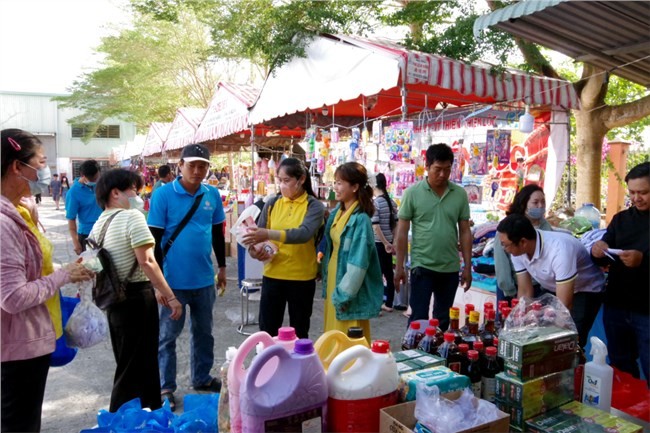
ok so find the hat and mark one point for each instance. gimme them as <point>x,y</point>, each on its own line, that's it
<point>195,152</point>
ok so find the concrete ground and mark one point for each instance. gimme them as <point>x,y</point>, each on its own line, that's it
<point>75,392</point>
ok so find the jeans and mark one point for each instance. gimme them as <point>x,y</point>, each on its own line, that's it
<point>23,388</point>
<point>628,338</point>
<point>584,311</point>
<point>276,294</point>
<point>386,264</point>
<point>443,286</point>
<point>200,302</point>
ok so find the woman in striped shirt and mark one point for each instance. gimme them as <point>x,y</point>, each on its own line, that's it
<point>133,323</point>
<point>384,221</point>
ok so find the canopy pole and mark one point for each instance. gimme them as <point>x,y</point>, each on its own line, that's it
<point>404,107</point>
<point>568,162</point>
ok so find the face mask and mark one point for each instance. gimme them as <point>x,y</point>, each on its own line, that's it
<point>136,203</point>
<point>536,213</point>
<point>91,184</point>
<point>44,176</point>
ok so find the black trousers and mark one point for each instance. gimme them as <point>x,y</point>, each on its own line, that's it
<point>134,336</point>
<point>386,264</point>
<point>276,294</point>
<point>23,388</point>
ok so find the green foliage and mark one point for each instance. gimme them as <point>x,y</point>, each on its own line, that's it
<point>621,91</point>
<point>148,72</point>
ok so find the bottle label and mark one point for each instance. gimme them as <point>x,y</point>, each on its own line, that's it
<point>476,389</point>
<point>591,390</point>
<point>489,390</point>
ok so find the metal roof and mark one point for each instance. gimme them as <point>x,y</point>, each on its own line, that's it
<point>612,35</point>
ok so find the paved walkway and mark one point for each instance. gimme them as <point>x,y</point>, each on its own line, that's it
<point>76,392</point>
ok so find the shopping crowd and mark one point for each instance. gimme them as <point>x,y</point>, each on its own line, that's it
<point>351,248</point>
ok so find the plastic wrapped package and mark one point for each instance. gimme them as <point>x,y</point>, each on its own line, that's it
<point>437,414</point>
<point>87,325</point>
<point>533,313</point>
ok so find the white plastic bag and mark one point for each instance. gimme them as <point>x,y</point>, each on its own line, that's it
<point>87,326</point>
<point>247,221</point>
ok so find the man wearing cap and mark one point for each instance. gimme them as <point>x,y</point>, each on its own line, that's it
<point>187,265</point>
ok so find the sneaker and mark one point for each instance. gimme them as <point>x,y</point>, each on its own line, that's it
<point>213,386</point>
<point>168,396</point>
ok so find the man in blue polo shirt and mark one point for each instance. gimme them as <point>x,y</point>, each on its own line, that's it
<point>187,265</point>
<point>81,205</point>
<point>561,265</point>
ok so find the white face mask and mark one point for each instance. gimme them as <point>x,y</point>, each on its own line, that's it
<point>136,203</point>
<point>44,176</point>
<point>536,213</point>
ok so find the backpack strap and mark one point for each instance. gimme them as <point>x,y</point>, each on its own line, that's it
<point>183,223</point>
<point>100,243</point>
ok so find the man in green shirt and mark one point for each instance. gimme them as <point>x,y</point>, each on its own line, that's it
<point>438,211</point>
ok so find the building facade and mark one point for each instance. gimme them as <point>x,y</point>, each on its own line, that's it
<point>40,115</point>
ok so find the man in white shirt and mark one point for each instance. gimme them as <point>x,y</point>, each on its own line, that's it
<point>560,263</point>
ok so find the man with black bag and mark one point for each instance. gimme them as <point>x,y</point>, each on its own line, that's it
<point>186,218</point>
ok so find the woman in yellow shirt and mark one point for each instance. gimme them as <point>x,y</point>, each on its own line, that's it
<point>291,221</point>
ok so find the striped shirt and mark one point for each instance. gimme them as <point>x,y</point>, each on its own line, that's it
<point>382,217</point>
<point>127,231</point>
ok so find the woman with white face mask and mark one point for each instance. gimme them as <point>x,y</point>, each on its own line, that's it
<point>133,323</point>
<point>531,202</point>
<point>28,286</point>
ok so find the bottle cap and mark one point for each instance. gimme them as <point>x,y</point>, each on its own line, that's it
<point>230,353</point>
<point>488,306</point>
<point>491,314</point>
<point>449,337</point>
<point>472,354</point>
<point>415,325</point>
<point>304,346</point>
<point>514,302</point>
<point>286,333</point>
<point>496,342</point>
<point>468,308</point>
<point>434,322</point>
<point>454,313</point>
<point>474,316</point>
<point>478,345</point>
<point>463,347</point>
<point>491,351</point>
<point>430,331</point>
<point>502,304</point>
<point>355,332</point>
<point>537,306</point>
<point>380,346</point>
<point>506,312</point>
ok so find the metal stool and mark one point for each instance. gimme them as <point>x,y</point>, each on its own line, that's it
<point>248,286</point>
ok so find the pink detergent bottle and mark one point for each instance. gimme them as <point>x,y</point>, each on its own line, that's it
<point>357,393</point>
<point>237,372</point>
<point>286,338</point>
<point>293,398</point>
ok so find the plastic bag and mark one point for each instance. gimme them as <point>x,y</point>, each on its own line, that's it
<point>440,415</point>
<point>247,220</point>
<point>534,313</point>
<point>87,325</point>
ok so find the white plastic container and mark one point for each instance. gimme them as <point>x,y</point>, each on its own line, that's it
<point>357,393</point>
<point>223,414</point>
<point>598,378</point>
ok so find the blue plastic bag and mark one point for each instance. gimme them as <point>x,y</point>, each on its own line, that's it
<point>62,353</point>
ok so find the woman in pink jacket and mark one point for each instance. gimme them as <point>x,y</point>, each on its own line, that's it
<point>28,337</point>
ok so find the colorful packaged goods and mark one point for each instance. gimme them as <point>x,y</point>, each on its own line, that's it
<point>577,417</point>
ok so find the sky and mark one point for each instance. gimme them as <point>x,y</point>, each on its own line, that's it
<point>46,44</point>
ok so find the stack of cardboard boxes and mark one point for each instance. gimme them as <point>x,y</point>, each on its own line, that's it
<point>538,371</point>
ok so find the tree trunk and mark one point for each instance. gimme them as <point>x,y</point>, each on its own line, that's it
<point>590,131</point>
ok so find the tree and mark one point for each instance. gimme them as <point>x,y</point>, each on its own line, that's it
<point>148,72</point>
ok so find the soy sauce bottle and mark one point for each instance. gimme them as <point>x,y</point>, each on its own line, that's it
<point>428,343</point>
<point>474,372</point>
<point>490,370</point>
<point>412,337</point>
<point>449,350</point>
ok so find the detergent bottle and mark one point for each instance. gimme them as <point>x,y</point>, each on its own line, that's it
<point>331,343</point>
<point>237,373</point>
<point>356,394</point>
<point>286,338</point>
<point>598,378</point>
<point>292,398</point>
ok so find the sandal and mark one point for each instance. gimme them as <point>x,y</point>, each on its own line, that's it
<point>168,396</point>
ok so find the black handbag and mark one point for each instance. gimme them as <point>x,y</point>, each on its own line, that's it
<point>108,289</point>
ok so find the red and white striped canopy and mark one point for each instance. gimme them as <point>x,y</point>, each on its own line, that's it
<point>156,136</point>
<point>342,71</point>
<point>227,113</point>
<point>184,127</point>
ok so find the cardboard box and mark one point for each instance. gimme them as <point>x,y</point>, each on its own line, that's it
<point>533,346</point>
<point>577,417</point>
<point>401,419</point>
<point>446,380</point>
<point>552,390</point>
<point>536,369</point>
